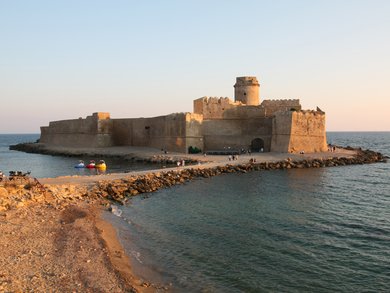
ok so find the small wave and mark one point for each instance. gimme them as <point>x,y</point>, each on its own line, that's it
<point>116,211</point>
<point>137,255</point>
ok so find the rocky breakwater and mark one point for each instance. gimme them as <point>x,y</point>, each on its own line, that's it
<point>121,189</point>
<point>15,194</point>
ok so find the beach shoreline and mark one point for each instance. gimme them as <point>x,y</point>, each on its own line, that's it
<point>73,246</point>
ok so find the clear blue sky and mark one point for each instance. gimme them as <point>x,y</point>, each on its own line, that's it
<point>67,59</point>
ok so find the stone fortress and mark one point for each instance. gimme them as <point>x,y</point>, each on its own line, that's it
<point>216,124</point>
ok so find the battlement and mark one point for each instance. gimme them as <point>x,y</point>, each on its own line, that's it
<point>312,112</point>
<point>213,107</point>
<point>218,100</point>
<point>305,113</point>
<point>246,80</point>
<point>273,106</point>
<point>101,115</point>
<point>282,101</point>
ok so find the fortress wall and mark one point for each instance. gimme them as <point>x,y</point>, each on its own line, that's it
<point>281,131</point>
<point>194,135</point>
<point>88,132</point>
<point>244,112</point>
<point>236,133</point>
<point>308,132</point>
<point>166,132</point>
<point>123,131</point>
<point>213,108</point>
<point>272,106</point>
<point>296,131</point>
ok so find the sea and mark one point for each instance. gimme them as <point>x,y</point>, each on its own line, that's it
<point>297,230</point>
<point>46,166</point>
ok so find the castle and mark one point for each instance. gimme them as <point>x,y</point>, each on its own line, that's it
<point>215,124</point>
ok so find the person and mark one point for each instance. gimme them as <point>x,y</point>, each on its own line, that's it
<point>183,163</point>
<point>178,163</point>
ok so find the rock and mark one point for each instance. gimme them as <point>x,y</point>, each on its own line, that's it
<point>3,192</point>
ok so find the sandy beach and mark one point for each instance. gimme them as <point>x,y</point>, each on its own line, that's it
<point>53,238</point>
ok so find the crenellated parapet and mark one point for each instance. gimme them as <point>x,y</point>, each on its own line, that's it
<point>272,106</point>
<point>214,107</point>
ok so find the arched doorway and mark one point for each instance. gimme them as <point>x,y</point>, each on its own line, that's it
<point>257,145</point>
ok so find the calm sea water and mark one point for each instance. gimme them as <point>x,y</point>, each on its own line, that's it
<point>42,166</point>
<point>313,230</point>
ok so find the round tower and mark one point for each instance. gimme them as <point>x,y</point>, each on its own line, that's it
<point>246,90</point>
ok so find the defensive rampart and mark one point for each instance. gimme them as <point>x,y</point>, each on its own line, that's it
<point>272,106</point>
<point>93,131</point>
<point>174,132</point>
<point>297,131</point>
<point>214,108</point>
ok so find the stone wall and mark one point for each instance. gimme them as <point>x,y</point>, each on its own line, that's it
<point>273,106</point>
<point>167,132</point>
<point>296,131</point>
<point>194,135</point>
<point>308,132</point>
<point>93,131</point>
<point>213,108</point>
<point>174,132</point>
<point>236,133</point>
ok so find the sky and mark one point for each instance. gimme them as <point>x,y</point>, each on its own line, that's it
<point>67,59</point>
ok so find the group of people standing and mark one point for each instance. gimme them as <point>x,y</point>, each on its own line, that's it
<point>233,157</point>
<point>331,148</point>
<point>181,163</point>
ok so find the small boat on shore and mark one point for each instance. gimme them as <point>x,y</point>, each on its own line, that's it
<point>91,165</point>
<point>101,165</point>
<point>80,165</point>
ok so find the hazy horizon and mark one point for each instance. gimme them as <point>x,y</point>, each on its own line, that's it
<point>67,59</point>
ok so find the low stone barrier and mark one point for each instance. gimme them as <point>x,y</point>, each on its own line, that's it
<point>120,190</point>
<point>18,194</point>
